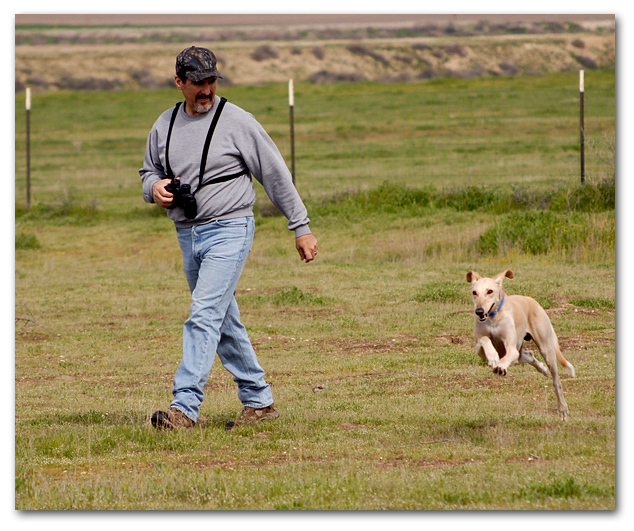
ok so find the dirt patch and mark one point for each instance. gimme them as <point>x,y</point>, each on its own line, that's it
<point>359,347</point>
<point>351,426</point>
<point>585,342</point>
<point>452,339</point>
<point>31,336</point>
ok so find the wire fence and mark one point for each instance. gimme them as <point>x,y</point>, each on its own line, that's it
<point>346,136</point>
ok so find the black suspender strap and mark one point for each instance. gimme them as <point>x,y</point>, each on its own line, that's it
<point>203,160</point>
<point>210,133</point>
<point>168,169</point>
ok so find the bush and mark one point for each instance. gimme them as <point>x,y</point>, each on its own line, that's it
<point>319,53</point>
<point>264,52</point>
<point>456,49</point>
<point>25,241</point>
<point>443,291</point>
<point>294,296</point>
<point>470,198</point>
<point>388,197</point>
<point>407,59</point>
<point>590,197</point>
<point>323,77</point>
<point>587,61</point>
<point>90,83</point>
<point>509,68</point>
<point>539,232</point>
<point>68,211</point>
<point>421,46</point>
<point>364,51</point>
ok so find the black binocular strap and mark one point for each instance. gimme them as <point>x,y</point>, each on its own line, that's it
<point>203,160</point>
<point>210,133</point>
<point>168,168</point>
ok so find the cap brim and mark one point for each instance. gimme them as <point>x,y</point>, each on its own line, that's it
<point>199,75</point>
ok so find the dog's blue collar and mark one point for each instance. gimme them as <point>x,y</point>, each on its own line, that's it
<point>494,313</point>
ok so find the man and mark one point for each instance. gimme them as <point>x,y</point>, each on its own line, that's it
<point>215,147</point>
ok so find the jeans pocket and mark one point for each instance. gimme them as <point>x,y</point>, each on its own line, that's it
<point>239,222</point>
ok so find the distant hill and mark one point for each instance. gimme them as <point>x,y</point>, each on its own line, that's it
<point>56,56</point>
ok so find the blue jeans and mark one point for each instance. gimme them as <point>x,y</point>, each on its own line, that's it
<point>214,255</point>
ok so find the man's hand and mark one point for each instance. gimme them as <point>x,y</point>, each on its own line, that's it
<point>307,247</point>
<point>162,197</point>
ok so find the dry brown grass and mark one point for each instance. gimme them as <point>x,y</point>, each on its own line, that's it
<point>54,66</point>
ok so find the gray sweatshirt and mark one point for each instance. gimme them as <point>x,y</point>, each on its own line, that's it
<point>239,144</point>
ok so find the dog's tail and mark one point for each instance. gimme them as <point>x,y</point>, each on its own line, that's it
<point>565,363</point>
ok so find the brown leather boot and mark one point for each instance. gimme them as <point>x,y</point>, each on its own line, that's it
<point>252,415</point>
<point>174,419</point>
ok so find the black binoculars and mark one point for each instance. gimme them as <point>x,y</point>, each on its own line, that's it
<point>183,197</point>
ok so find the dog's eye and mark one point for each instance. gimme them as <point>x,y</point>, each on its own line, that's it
<point>489,292</point>
<point>475,293</point>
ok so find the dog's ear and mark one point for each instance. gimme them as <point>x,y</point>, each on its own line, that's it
<point>499,278</point>
<point>472,276</point>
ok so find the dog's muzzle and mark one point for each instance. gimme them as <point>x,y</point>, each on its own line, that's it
<point>482,315</point>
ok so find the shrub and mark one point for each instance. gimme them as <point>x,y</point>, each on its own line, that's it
<point>323,76</point>
<point>364,51</point>
<point>67,211</point>
<point>264,52</point>
<point>509,68</point>
<point>468,199</point>
<point>538,232</point>
<point>294,296</point>
<point>443,291</point>
<point>407,59</point>
<point>386,198</point>
<point>391,197</point>
<point>319,53</point>
<point>420,46</point>
<point>456,49</point>
<point>578,43</point>
<point>89,83</point>
<point>428,73</point>
<point>587,61</point>
<point>590,197</point>
<point>25,241</point>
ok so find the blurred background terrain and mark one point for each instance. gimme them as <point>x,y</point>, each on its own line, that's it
<point>104,52</point>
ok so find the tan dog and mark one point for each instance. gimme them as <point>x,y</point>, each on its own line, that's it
<point>502,324</point>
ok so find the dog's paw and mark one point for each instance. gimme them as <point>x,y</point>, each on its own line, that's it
<point>500,370</point>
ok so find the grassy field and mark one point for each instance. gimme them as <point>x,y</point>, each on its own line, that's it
<point>369,349</point>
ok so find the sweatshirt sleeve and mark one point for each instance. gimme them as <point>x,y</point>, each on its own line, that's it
<point>267,165</point>
<point>152,170</point>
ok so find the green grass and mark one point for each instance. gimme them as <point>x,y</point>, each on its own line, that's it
<point>369,349</point>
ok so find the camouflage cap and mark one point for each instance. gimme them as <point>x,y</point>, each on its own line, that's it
<point>196,64</point>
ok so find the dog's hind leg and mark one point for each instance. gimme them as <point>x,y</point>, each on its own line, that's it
<point>550,356</point>
<point>526,356</point>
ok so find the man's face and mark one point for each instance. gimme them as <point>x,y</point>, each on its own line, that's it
<point>199,97</point>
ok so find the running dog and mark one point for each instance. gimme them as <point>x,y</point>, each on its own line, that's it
<point>502,324</point>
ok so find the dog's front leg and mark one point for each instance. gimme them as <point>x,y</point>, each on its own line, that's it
<point>487,352</point>
<point>512,356</point>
